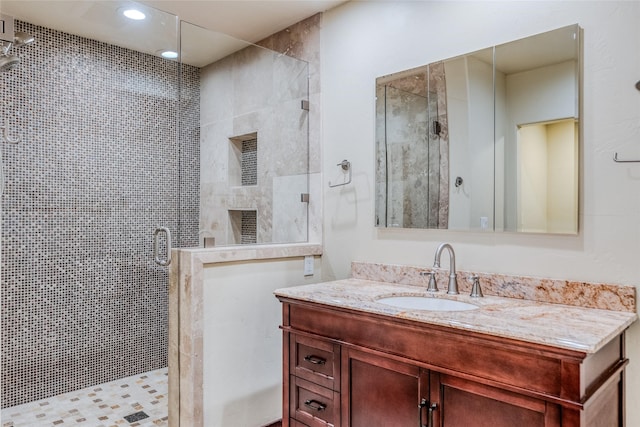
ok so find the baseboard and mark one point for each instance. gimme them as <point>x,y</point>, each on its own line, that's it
<point>275,424</point>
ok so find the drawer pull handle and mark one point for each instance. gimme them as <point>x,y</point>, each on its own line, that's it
<point>315,405</point>
<point>315,360</point>
<point>430,408</point>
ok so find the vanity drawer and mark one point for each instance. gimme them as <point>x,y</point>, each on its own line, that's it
<point>312,404</point>
<point>315,360</point>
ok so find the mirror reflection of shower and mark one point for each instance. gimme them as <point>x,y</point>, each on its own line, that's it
<point>8,59</point>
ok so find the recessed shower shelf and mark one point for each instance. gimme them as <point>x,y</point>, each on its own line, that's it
<point>243,160</point>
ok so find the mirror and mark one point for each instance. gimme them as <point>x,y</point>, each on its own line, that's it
<point>483,141</point>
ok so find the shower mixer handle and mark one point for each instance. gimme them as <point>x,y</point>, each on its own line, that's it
<point>156,246</point>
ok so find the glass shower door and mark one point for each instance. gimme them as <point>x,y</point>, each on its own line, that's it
<point>248,107</point>
<point>96,171</point>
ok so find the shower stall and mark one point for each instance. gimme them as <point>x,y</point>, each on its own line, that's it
<point>97,168</point>
<point>105,148</point>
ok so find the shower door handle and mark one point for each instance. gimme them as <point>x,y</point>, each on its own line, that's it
<point>156,246</point>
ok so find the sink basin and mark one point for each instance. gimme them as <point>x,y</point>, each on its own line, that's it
<point>427,303</point>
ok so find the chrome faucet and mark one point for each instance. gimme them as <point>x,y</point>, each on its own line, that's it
<point>452,289</point>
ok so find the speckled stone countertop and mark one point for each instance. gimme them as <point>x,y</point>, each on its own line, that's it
<point>558,325</point>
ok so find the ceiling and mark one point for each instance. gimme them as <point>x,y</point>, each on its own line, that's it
<point>213,28</point>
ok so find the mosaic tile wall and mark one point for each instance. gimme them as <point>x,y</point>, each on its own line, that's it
<point>189,167</point>
<point>97,170</point>
<point>249,167</point>
<point>249,227</point>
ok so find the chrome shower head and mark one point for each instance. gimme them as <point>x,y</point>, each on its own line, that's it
<point>22,39</point>
<point>8,62</point>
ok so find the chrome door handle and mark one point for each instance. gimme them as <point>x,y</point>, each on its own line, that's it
<point>156,246</point>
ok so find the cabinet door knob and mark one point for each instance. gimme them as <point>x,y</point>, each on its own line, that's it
<point>315,359</point>
<point>315,405</point>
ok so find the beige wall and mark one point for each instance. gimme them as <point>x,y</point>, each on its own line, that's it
<point>260,91</point>
<point>532,178</point>
<point>263,91</point>
<point>242,385</point>
<point>547,177</point>
<point>562,186</point>
<point>364,40</point>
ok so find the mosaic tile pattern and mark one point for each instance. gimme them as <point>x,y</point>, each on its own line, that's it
<point>249,162</point>
<point>249,227</point>
<point>97,170</point>
<point>139,400</point>
<point>189,169</point>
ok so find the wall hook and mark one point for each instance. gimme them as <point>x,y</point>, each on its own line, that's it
<point>5,133</point>
<point>615,159</point>
<point>346,167</point>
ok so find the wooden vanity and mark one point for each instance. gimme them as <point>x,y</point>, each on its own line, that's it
<point>353,367</point>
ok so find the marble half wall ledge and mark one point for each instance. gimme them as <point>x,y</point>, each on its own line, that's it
<point>248,252</point>
<point>556,291</point>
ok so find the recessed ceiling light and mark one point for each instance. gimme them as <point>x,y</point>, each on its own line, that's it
<point>134,14</point>
<point>169,54</point>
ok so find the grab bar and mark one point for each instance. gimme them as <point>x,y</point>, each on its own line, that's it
<point>156,246</point>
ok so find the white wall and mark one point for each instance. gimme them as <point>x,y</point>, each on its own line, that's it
<point>533,96</point>
<point>364,40</point>
<point>470,111</point>
<point>242,375</point>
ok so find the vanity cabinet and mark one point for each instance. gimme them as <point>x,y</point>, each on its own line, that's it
<point>379,391</point>
<point>355,369</point>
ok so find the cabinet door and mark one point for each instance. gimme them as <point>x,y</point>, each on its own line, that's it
<point>380,392</point>
<point>463,403</point>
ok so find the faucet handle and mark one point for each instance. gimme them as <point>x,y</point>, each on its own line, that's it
<point>433,286</point>
<point>476,290</point>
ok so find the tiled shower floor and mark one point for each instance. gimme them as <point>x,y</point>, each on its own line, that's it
<point>104,405</point>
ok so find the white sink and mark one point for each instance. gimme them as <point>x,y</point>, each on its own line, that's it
<point>427,303</point>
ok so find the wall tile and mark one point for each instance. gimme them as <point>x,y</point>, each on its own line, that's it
<point>97,170</point>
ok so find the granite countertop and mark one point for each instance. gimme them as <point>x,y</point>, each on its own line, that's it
<point>569,327</point>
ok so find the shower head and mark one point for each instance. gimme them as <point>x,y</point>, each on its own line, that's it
<point>8,62</point>
<point>22,39</point>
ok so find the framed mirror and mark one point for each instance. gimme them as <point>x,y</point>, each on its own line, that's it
<point>484,141</point>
